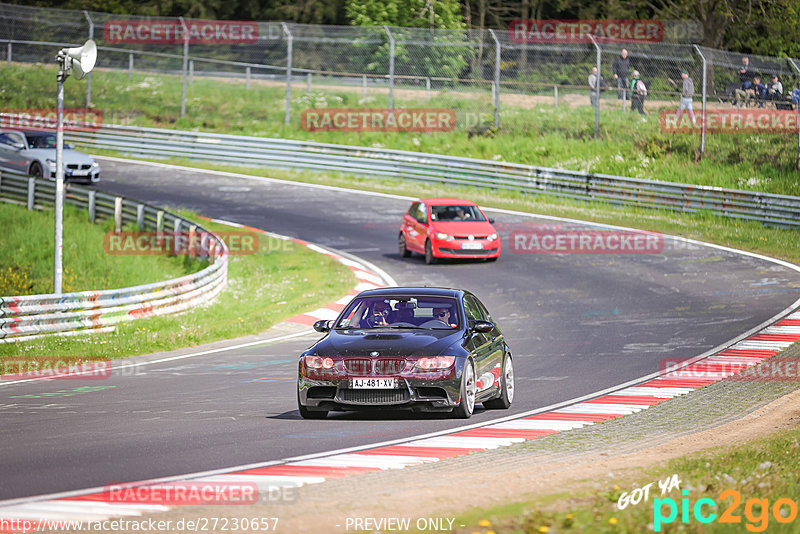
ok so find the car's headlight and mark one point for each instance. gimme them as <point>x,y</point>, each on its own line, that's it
<point>434,363</point>
<point>95,164</point>
<point>492,237</point>
<point>444,237</point>
<point>316,362</point>
<point>50,162</point>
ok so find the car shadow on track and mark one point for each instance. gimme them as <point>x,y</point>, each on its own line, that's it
<point>417,259</point>
<point>374,415</point>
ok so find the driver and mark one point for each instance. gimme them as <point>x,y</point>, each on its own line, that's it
<point>380,311</point>
<point>443,315</point>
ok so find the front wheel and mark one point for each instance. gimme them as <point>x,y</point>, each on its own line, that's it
<point>401,246</point>
<point>468,390</point>
<point>503,401</point>
<point>430,259</point>
<point>36,170</point>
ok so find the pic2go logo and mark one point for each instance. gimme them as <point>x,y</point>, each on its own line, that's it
<point>756,511</point>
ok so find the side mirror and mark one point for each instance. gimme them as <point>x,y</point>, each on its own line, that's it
<point>483,326</point>
<point>491,220</point>
<point>322,326</point>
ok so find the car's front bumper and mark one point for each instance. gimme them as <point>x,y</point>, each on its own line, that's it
<point>91,175</point>
<point>453,249</point>
<point>440,394</point>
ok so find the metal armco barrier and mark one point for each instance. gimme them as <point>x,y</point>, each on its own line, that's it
<point>769,209</point>
<point>31,316</point>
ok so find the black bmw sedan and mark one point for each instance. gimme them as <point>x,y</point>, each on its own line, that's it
<point>427,349</point>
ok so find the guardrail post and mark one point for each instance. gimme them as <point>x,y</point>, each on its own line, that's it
<point>391,67</point>
<point>212,251</point>
<point>308,82</point>
<point>31,192</point>
<point>130,65</point>
<point>140,217</point>
<point>496,84</point>
<point>185,64</point>
<point>555,96</point>
<point>8,53</point>
<point>703,114</point>
<point>160,221</point>
<point>92,206</point>
<point>288,114</point>
<point>364,86</point>
<point>176,228</point>
<point>247,78</point>
<point>89,76</point>
<point>192,245</point>
<point>797,109</point>
<point>117,214</point>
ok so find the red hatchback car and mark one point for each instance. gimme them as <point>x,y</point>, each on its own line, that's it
<point>448,228</point>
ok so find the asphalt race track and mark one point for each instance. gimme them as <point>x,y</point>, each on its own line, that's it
<point>577,323</point>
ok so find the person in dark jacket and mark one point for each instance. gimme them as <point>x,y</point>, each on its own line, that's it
<point>620,67</point>
<point>687,93</point>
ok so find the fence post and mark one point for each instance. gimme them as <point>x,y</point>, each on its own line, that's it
<point>140,217</point>
<point>555,95</point>
<point>247,78</point>
<point>130,65</point>
<point>797,109</point>
<point>308,87</point>
<point>191,71</point>
<point>8,53</point>
<point>31,192</point>
<point>496,83</point>
<point>117,214</point>
<point>703,113</point>
<point>597,87</point>
<point>92,206</point>
<point>391,67</point>
<point>363,86</point>
<point>185,64</point>
<point>176,225</point>
<point>89,76</point>
<point>289,39</point>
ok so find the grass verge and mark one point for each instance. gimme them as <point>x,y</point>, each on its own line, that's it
<point>280,280</point>
<point>760,473</point>
<point>537,134</point>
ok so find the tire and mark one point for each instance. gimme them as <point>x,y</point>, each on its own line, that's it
<point>468,390</point>
<point>305,413</point>
<point>36,170</point>
<point>430,259</point>
<point>506,387</point>
<point>401,246</point>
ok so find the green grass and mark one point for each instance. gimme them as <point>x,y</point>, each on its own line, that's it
<point>763,469</point>
<point>281,280</point>
<point>554,137</point>
<point>26,255</point>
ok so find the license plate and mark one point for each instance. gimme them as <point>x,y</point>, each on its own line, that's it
<point>373,383</point>
<point>471,245</point>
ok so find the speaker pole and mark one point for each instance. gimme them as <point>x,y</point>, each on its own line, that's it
<point>59,200</point>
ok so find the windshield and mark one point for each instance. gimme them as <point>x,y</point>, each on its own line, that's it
<point>418,312</point>
<point>456,213</point>
<point>43,140</point>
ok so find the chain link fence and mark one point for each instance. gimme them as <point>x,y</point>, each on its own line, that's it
<point>485,77</point>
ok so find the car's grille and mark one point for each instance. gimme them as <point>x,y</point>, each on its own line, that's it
<point>468,252</point>
<point>467,237</point>
<point>358,366</point>
<point>373,396</point>
<point>377,366</point>
<point>389,366</point>
<point>75,167</point>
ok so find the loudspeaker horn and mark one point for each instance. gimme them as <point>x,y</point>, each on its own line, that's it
<point>81,59</point>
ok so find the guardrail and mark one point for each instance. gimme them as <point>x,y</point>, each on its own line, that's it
<point>769,209</point>
<point>31,316</point>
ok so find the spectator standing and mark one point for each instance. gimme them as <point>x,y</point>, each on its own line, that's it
<point>620,67</point>
<point>596,84</point>
<point>744,73</point>
<point>638,93</point>
<point>687,94</point>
